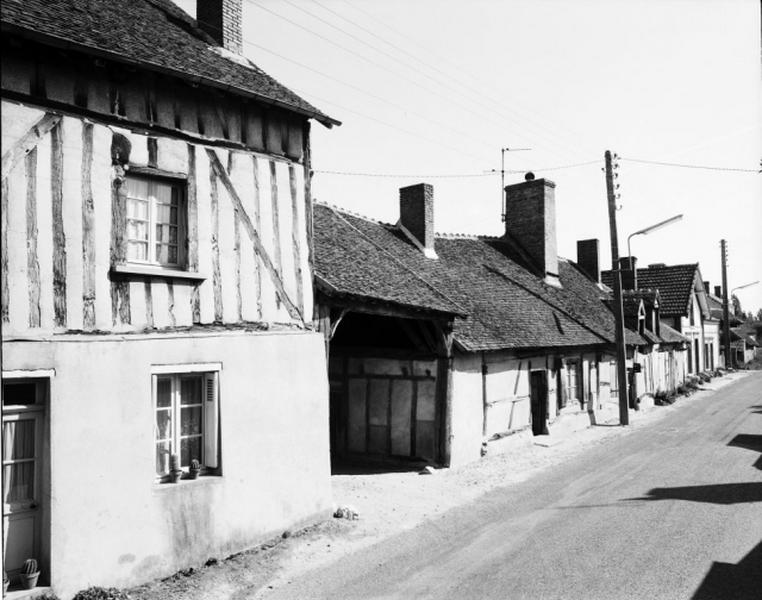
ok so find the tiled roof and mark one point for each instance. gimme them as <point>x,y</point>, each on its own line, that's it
<point>349,263</point>
<point>670,336</point>
<point>674,283</point>
<point>504,306</point>
<point>152,34</point>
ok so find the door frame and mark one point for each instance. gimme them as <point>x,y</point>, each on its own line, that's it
<point>42,378</point>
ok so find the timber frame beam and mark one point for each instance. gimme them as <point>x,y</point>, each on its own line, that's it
<point>259,248</point>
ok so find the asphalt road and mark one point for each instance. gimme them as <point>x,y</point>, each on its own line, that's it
<point>673,510</point>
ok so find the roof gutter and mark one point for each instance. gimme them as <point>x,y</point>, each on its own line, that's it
<point>57,42</point>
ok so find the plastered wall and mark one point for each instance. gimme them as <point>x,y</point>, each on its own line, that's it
<point>111,523</point>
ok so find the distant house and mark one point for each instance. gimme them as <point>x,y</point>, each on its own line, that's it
<point>442,345</point>
<point>156,294</point>
<point>683,307</point>
<point>661,363</point>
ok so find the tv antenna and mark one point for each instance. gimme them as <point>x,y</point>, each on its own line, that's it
<point>502,176</point>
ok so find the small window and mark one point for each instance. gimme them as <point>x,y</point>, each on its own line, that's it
<point>155,222</point>
<point>186,421</point>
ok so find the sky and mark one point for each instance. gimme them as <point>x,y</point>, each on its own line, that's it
<point>432,90</point>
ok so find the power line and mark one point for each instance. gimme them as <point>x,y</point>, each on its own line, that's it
<point>400,75</point>
<point>451,175</point>
<point>500,103</point>
<point>366,93</point>
<point>415,134</point>
<point>686,166</point>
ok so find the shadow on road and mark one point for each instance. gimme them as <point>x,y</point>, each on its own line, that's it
<point>742,581</point>
<point>720,493</point>
<point>749,441</point>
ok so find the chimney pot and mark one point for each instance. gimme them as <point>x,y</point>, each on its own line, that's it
<point>718,291</point>
<point>417,216</point>
<point>588,259</point>
<point>221,19</point>
<point>706,287</point>
<point>529,176</point>
<point>530,220</point>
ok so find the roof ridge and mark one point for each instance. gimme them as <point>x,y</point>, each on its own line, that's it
<point>351,213</point>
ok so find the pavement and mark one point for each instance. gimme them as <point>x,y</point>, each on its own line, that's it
<point>666,508</point>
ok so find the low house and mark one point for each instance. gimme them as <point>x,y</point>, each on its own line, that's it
<point>683,307</point>
<point>156,294</point>
<point>660,362</point>
<point>440,346</point>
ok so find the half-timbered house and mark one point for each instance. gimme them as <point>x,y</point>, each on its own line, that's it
<point>156,293</point>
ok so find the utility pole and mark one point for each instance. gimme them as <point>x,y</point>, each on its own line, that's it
<point>725,308</point>
<point>621,354</point>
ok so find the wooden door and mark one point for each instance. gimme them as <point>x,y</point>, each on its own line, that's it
<point>22,479</point>
<point>539,400</point>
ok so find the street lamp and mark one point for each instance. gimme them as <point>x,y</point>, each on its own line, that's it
<point>745,285</point>
<point>648,230</point>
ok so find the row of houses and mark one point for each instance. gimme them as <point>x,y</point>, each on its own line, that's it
<point>172,298</point>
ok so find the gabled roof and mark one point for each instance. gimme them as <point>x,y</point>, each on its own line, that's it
<point>501,304</point>
<point>151,34</point>
<point>674,283</point>
<point>351,263</point>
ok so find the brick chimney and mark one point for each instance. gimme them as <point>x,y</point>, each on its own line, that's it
<point>530,219</point>
<point>707,288</point>
<point>718,291</point>
<point>629,272</point>
<point>221,19</point>
<point>588,259</point>
<point>417,216</point>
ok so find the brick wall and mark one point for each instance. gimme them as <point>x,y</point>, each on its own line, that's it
<point>417,212</point>
<point>530,219</point>
<point>588,258</point>
<point>222,20</point>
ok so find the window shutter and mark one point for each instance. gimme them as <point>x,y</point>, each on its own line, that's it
<point>211,421</point>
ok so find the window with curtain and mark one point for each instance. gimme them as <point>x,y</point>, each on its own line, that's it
<point>186,421</point>
<point>155,221</point>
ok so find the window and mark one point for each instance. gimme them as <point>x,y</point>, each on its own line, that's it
<point>155,221</point>
<point>187,420</point>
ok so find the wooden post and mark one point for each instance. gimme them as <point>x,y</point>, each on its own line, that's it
<point>296,230</point>
<point>193,233</point>
<point>4,289</point>
<point>216,276</point>
<point>621,354</point>
<point>88,230</point>
<point>32,263</point>
<point>276,221</point>
<point>59,237</point>
<point>725,306</point>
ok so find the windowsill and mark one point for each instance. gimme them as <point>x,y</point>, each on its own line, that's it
<point>202,480</point>
<point>128,270</point>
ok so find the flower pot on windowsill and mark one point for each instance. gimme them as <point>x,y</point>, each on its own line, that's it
<point>29,573</point>
<point>30,581</point>
<point>194,470</point>
<point>175,472</point>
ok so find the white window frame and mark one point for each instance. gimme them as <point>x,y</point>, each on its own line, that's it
<point>180,185</point>
<point>210,428</point>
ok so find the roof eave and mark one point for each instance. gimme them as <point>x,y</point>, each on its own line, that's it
<point>61,43</point>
